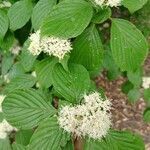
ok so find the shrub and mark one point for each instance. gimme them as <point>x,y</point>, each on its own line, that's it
<point>51,51</point>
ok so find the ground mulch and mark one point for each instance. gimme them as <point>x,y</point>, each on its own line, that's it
<point>126,116</point>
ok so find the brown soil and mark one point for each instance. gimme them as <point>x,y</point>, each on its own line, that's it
<point>125,115</point>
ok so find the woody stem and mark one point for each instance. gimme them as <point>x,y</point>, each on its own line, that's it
<point>78,144</point>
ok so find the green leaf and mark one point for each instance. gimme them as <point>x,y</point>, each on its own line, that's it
<point>135,77</point>
<point>147,95</point>
<point>147,115</point>
<point>127,140</point>
<point>63,103</point>
<point>19,14</point>
<point>1,117</point>
<point>23,137</point>
<point>64,62</point>
<point>141,20</point>
<point>16,70</point>
<point>44,71</point>
<point>102,15</point>
<point>27,59</point>
<point>49,136</point>
<point>126,87</point>
<point>7,62</point>
<point>134,95</point>
<point>26,108</point>
<point>88,50</point>
<point>5,144</point>
<point>68,19</point>
<point>16,146</point>
<point>25,81</point>
<point>73,84</point>
<point>116,140</point>
<point>7,42</point>
<point>40,11</point>
<point>110,66</point>
<point>134,5</point>
<point>4,23</point>
<point>128,45</point>
<point>69,146</point>
<point>93,86</point>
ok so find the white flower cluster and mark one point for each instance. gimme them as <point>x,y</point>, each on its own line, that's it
<point>111,3</point>
<point>5,127</point>
<point>34,46</point>
<point>51,45</point>
<point>15,49</point>
<point>91,119</point>
<point>146,82</point>
<point>4,4</point>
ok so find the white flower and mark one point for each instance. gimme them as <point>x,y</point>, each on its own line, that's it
<point>111,3</point>
<point>56,46</point>
<point>2,97</point>
<point>15,48</point>
<point>5,128</point>
<point>34,46</point>
<point>4,4</point>
<point>146,82</point>
<point>99,2</point>
<point>91,119</point>
<point>51,45</point>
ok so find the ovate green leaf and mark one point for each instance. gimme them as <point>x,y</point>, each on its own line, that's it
<point>19,14</point>
<point>110,66</point>
<point>147,95</point>
<point>88,50</point>
<point>7,42</point>
<point>116,140</point>
<point>4,22</point>
<point>23,137</point>
<point>16,70</point>
<point>135,77</point>
<point>126,87</point>
<point>68,19</point>
<point>26,58</point>
<point>7,62</point>
<point>40,11</point>
<point>21,82</point>
<point>69,146</point>
<point>102,15</point>
<point>71,84</point>
<point>134,5</point>
<point>128,45</point>
<point>49,136</point>
<point>147,115</point>
<point>44,71</point>
<point>16,146</point>
<point>134,95</point>
<point>26,108</point>
<point>5,144</point>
